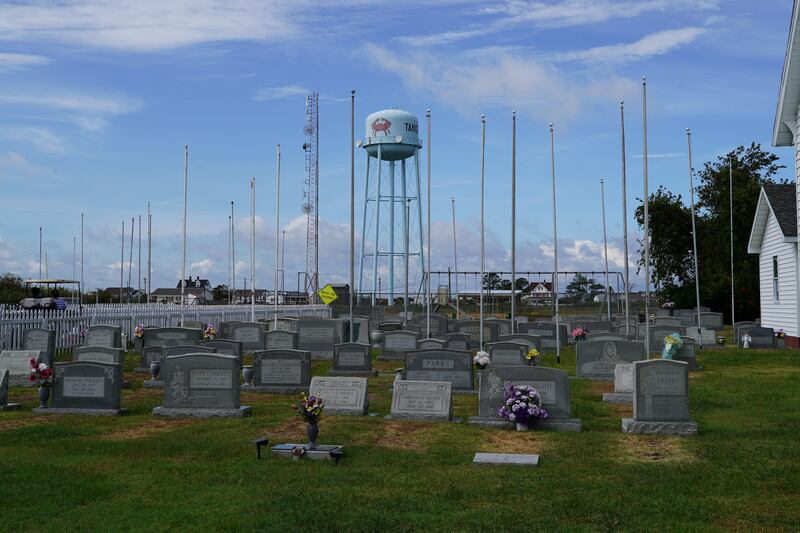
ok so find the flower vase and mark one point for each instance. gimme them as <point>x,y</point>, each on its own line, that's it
<point>312,432</point>
<point>44,396</point>
<point>247,374</point>
<point>522,427</point>
<point>666,353</point>
<point>155,369</point>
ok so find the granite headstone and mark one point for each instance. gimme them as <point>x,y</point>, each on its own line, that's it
<point>597,359</point>
<point>342,395</point>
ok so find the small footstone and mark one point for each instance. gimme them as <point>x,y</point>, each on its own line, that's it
<point>11,407</point>
<point>151,384</point>
<point>618,397</point>
<point>519,459</point>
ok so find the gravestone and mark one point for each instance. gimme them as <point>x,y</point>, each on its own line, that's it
<point>149,355</point>
<point>252,335</point>
<point>761,337</point>
<point>452,366</point>
<point>739,326</point>
<point>546,331</point>
<point>673,321</point>
<point>421,400</point>
<point>597,325</point>
<point>503,326</point>
<point>201,385</point>
<point>623,385</point>
<point>318,336</point>
<point>18,364</point>
<point>457,341</point>
<point>171,336</point>
<point>285,371</point>
<point>99,354</point>
<point>687,353</point>
<point>342,395</point>
<point>688,317</point>
<point>431,344</point>
<point>473,329</point>
<point>281,339</point>
<point>663,313</point>
<point>518,459</point>
<point>711,321</point>
<point>103,335</point>
<point>397,342</point>
<point>361,329</point>
<point>86,388</point>
<point>283,324</point>
<point>43,340</point>
<point>438,325</point>
<point>225,346</point>
<point>702,310</point>
<point>352,359</point>
<point>708,337</point>
<point>413,327</point>
<point>4,405</point>
<point>195,324</point>
<point>224,329</point>
<point>660,399</point>
<point>181,350</point>
<point>605,336</point>
<point>657,334</point>
<point>507,353</point>
<point>552,384</point>
<point>532,341</point>
<point>597,359</point>
<point>390,325</point>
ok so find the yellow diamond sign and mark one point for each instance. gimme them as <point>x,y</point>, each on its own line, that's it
<point>327,294</point>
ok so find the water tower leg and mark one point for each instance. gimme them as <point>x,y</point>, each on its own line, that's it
<point>406,218</point>
<point>363,231</point>
<point>393,200</point>
<point>377,230</point>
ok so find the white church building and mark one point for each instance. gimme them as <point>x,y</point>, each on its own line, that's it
<point>775,226</point>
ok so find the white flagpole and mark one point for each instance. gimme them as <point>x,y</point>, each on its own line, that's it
<point>555,243</point>
<point>233,255</point>
<point>122,261</point>
<point>625,218</point>
<point>83,288</point>
<point>74,257</point>
<point>253,249</point>
<point>483,250</point>
<point>139,261</point>
<point>605,243</point>
<point>513,221</point>
<point>730,189</point>
<point>230,272</point>
<point>130,261</point>
<point>455,248</point>
<point>352,210</point>
<point>185,202</point>
<point>646,237</point>
<point>149,252</point>
<point>428,273</point>
<point>277,224</point>
<point>694,235</point>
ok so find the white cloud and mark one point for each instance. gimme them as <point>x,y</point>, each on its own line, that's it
<point>10,62</point>
<point>657,43</point>
<point>146,25</point>
<point>14,164</point>
<point>265,94</point>
<point>84,103</point>
<point>202,267</point>
<point>42,138</point>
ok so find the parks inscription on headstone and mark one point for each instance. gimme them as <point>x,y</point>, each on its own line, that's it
<point>352,359</point>
<point>597,359</point>
<point>452,366</point>
<point>342,395</point>
<point>285,371</point>
<point>660,399</point>
<point>421,400</point>
<point>86,387</point>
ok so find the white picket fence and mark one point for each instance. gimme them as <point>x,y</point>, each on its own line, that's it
<point>70,323</point>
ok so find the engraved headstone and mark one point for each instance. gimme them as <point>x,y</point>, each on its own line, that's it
<point>318,336</point>
<point>86,387</point>
<point>421,400</point>
<point>546,331</point>
<point>623,385</point>
<point>761,337</point>
<point>658,333</point>
<point>687,352</point>
<point>597,325</point>
<point>440,365</point>
<point>473,329</point>
<point>4,405</point>
<point>397,342</point>
<point>171,336</point>
<point>660,399</point>
<point>281,339</point>
<point>552,384</point>
<point>606,336</point>
<point>673,321</point>
<point>361,329</point>
<point>103,335</point>
<point>438,325</point>
<point>43,340</point>
<point>431,344</point>
<point>505,353</point>
<point>707,336</point>
<point>18,364</point>
<point>181,350</point>
<point>503,326</point>
<point>195,324</point>
<point>201,385</point>
<point>225,346</point>
<point>286,371</point>
<point>532,341</point>
<point>224,329</point>
<point>100,354</point>
<point>342,395</point>
<point>252,335</point>
<point>740,326</point>
<point>390,325</point>
<point>352,359</point>
<point>457,341</point>
<point>597,359</point>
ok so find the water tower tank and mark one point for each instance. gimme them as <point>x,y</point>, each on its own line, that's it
<point>396,131</point>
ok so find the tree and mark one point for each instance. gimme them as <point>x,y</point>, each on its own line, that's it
<point>582,288</point>
<point>493,281</point>
<point>521,284</point>
<point>671,253</point>
<point>220,293</point>
<point>12,291</point>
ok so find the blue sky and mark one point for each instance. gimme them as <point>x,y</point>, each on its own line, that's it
<point>97,100</point>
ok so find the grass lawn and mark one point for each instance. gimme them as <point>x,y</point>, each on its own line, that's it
<point>136,472</point>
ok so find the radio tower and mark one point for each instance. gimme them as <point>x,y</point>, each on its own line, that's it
<point>311,196</point>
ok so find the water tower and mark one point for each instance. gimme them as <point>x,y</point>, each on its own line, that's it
<point>392,224</point>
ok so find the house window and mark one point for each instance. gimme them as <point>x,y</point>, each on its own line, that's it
<point>775,292</point>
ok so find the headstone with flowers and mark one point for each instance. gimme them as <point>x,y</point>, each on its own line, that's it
<point>310,409</point>
<point>18,364</point>
<point>522,405</point>
<point>4,405</point>
<point>343,395</point>
<point>86,388</point>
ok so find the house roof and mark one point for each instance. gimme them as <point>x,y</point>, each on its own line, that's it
<point>780,200</point>
<point>177,292</point>
<point>789,94</point>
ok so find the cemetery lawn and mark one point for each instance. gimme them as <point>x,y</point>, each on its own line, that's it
<point>136,472</point>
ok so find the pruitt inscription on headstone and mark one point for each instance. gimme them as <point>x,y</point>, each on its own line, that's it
<point>201,385</point>
<point>457,341</point>
<point>252,335</point>
<point>103,335</point>
<point>281,339</point>
<point>421,400</point>
<point>552,384</point>
<point>318,336</point>
<point>660,399</point>
<point>285,371</point>
<point>440,365</point>
<point>171,336</point>
<point>100,354</point>
<point>342,395</point>
<point>397,343</point>
<point>43,340</point>
<point>506,353</point>
<point>351,359</point>
<point>86,387</point>
<point>18,364</point>
<point>623,385</point>
<point>597,359</point>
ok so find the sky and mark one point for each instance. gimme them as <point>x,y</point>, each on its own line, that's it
<point>98,99</point>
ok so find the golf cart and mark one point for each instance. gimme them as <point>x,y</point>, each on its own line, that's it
<point>43,293</point>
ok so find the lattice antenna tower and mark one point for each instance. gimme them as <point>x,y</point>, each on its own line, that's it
<point>311,195</point>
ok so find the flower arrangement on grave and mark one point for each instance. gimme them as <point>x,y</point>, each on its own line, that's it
<point>138,331</point>
<point>83,331</point>
<point>746,340</point>
<point>672,343</point>
<point>210,332</point>
<point>522,404</point>
<point>310,407</point>
<point>481,360</point>
<point>533,353</point>
<point>41,374</point>
<point>780,334</point>
<point>578,334</point>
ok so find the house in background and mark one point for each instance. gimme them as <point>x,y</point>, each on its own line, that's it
<point>197,292</point>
